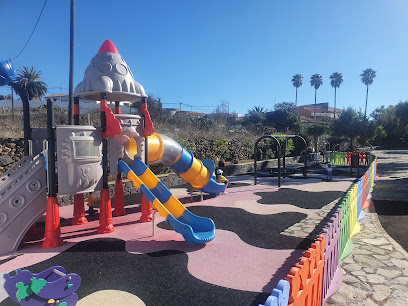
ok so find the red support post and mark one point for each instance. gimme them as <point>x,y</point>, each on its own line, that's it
<point>119,199</point>
<point>105,213</point>
<point>79,210</point>
<point>147,210</point>
<point>52,225</point>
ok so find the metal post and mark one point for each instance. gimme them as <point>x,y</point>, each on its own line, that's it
<point>305,174</point>
<point>104,142</point>
<point>255,158</point>
<point>71,62</point>
<point>146,146</point>
<point>358,167</point>
<point>76,110</point>
<point>284,157</point>
<point>117,107</point>
<point>154,229</point>
<point>147,208</point>
<point>279,166</point>
<point>52,178</point>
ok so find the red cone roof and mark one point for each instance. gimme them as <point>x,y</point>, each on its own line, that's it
<point>108,46</point>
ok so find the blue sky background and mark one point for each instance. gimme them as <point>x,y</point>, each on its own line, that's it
<point>201,52</point>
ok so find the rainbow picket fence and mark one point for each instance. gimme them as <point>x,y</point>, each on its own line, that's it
<point>318,275</point>
<point>344,158</point>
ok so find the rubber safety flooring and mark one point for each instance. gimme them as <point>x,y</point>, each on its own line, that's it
<point>251,252</point>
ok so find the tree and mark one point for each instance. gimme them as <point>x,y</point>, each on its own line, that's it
<point>316,130</point>
<point>390,124</point>
<point>393,123</point>
<point>257,110</point>
<point>254,119</point>
<point>367,77</point>
<point>284,117</point>
<point>380,134</point>
<point>297,81</point>
<point>354,126</point>
<point>336,80</point>
<point>401,111</point>
<point>316,81</point>
<point>346,125</point>
<point>29,81</point>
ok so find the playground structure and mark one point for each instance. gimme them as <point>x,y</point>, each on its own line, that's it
<point>279,151</point>
<point>80,153</point>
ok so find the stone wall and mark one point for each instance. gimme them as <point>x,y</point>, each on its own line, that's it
<point>11,151</point>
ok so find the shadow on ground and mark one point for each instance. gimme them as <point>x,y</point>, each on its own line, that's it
<point>299,198</point>
<point>159,278</point>
<point>393,216</point>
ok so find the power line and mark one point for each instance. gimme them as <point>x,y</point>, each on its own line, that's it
<point>45,2</point>
<point>58,87</point>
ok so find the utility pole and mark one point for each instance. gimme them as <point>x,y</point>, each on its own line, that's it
<point>71,65</point>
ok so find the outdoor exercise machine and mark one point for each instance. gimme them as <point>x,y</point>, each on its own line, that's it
<point>279,148</point>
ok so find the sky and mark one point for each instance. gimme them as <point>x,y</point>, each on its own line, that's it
<point>202,52</point>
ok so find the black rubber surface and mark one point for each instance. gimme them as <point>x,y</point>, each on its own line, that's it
<point>159,278</point>
<point>262,231</point>
<point>299,198</point>
<point>393,216</point>
<point>237,184</point>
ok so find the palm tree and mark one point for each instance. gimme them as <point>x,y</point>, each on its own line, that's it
<point>297,81</point>
<point>336,80</point>
<point>367,77</point>
<point>29,81</point>
<point>316,81</point>
<point>257,110</point>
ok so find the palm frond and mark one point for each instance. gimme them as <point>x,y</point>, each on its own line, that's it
<point>316,81</point>
<point>368,76</point>
<point>28,78</point>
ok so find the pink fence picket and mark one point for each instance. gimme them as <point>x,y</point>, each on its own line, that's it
<point>332,274</point>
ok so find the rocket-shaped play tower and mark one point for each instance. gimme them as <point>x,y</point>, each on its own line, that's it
<point>108,77</point>
<point>108,73</point>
